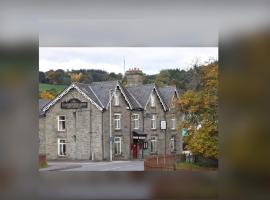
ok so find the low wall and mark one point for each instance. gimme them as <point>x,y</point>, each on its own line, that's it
<point>161,163</point>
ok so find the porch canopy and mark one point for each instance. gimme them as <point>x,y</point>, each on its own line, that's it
<point>138,135</point>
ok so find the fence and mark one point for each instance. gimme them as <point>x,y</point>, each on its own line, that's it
<point>161,162</point>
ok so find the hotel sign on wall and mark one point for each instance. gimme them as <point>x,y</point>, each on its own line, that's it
<point>73,104</point>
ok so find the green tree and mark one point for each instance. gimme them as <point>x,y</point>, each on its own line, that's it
<point>163,78</point>
<point>200,111</point>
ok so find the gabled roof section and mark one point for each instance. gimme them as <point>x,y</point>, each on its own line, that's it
<point>142,94</point>
<point>82,89</point>
<point>98,93</point>
<point>168,93</point>
<point>102,90</point>
<point>87,89</point>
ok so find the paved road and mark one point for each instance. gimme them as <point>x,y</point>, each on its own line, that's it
<point>95,166</point>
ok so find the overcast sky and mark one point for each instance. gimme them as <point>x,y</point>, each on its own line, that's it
<point>150,60</point>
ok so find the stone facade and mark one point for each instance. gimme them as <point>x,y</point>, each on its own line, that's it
<point>87,130</point>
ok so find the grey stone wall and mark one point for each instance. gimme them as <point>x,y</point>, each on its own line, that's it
<point>87,130</point>
<point>41,134</point>
<point>124,132</point>
<point>160,134</point>
<point>83,130</point>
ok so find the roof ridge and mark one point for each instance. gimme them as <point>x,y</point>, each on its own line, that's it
<point>104,81</point>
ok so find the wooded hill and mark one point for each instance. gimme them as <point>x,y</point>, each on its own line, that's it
<point>183,79</point>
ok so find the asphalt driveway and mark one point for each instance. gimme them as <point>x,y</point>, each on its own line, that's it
<point>94,166</point>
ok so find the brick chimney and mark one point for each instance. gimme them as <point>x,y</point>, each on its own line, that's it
<point>134,77</point>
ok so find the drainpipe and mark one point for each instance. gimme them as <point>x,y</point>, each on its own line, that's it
<point>110,125</point>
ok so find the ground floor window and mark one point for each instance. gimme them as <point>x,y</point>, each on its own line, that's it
<point>153,144</point>
<point>172,141</point>
<point>62,147</point>
<point>118,146</point>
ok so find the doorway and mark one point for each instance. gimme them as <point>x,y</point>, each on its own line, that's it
<point>135,149</point>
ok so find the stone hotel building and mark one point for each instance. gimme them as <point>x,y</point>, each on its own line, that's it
<point>142,119</point>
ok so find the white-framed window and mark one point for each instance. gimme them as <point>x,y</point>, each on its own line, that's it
<point>117,121</point>
<point>116,99</point>
<point>153,144</point>
<point>117,145</point>
<point>172,143</point>
<point>136,121</point>
<point>62,147</point>
<point>173,121</point>
<point>152,100</point>
<point>153,122</point>
<point>61,123</point>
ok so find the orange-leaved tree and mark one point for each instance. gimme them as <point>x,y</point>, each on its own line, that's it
<point>200,113</point>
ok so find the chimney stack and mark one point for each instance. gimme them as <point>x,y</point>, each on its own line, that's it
<point>134,77</point>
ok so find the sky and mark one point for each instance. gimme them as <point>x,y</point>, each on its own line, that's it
<point>111,59</point>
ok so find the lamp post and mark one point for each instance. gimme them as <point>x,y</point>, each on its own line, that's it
<point>110,124</point>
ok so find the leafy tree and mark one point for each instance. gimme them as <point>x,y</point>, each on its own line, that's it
<point>75,77</point>
<point>42,77</point>
<point>46,95</point>
<point>200,110</point>
<point>163,78</point>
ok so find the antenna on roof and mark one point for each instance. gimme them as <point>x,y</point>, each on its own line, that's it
<point>124,65</point>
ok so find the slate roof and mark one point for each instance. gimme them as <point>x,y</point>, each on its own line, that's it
<point>167,93</point>
<point>141,92</point>
<point>41,104</point>
<point>136,96</point>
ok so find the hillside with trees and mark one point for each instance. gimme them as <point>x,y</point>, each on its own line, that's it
<point>55,79</point>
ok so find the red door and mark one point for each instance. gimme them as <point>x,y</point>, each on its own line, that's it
<point>134,151</point>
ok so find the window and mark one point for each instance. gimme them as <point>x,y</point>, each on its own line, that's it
<point>62,147</point>
<point>61,123</point>
<point>153,122</point>
<point>136,121</point>
<point>153,144</point>
<point>117,143</point>
<point>172,143</point>
<point>152,100</point>
<point>173,123</point>
<point>117,121</point>
<point>116,99</point>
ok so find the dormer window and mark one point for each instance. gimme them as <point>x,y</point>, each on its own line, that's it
<point>152,100</point>
<point>116,99</point>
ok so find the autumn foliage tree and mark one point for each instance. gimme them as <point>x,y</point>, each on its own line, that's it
<point>200,110</point>
<point>46,95</point>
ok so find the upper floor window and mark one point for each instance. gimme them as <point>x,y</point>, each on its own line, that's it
<point>172,142</point>
<point>62,147</point>
<point>116,99</point>
<point>153,122</point>
<point>117,121</point>
<point>152,100</point>
<point>118,145</point>
<point>136,121</point>
<point>173,123</point>
<point>153,144</point>
<point>61,123</point>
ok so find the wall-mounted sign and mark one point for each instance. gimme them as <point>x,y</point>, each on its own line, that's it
<point>138,137</point>
<point>73,104</point>
<point>163,125</point>
<point>184,132</point>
